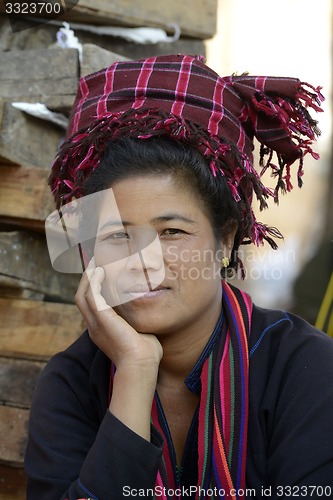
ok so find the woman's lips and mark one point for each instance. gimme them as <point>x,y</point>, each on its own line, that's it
<point>140,292</point>
<point>146,288</point>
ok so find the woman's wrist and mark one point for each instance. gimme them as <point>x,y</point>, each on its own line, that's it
<point>132,395</point>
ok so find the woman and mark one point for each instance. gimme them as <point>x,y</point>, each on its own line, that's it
<point>180,387</point>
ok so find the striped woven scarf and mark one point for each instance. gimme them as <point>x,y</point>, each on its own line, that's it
<point>223,409</point>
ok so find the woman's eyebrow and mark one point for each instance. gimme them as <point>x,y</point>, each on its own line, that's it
<point>110,223</point>
<point>172,216</point>
<point>154,220</point>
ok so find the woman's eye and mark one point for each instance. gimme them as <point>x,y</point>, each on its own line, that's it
<point>121,235</point>
<point>115,237</point>
<point>172,231</point>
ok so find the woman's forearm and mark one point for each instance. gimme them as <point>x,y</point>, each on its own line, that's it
<point>132,396</point>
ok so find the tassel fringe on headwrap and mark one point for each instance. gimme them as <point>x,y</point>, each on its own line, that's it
<point>181,98</point>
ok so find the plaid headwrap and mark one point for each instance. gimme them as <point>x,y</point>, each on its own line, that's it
<point>179,97</point>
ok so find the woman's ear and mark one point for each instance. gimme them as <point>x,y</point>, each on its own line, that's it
<point>227,246</point>
<point>229,238</point>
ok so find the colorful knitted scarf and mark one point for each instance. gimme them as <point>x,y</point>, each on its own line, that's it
<point>179,97</point>
<point>223,409</point>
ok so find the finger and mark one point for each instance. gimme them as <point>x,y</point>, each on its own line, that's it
<point>85,278</point>
<point>94,296</point>
<point>81,293</point>
<point>105,316</point>
<point>84,284</point>
<point>90,269</point>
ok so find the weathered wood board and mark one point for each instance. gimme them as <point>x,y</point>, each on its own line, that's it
<point>13,431</point>
<point>25,194</point>
<point>26,140</point>
<point>35,36</point>
<point>196,18</point>
<point>94,58</point>
<point>25,264</point>
<point>12,483</point>
<point>17,381</point>
<point>44,75</point>
<point>49,76</point>
<point>37,330</point>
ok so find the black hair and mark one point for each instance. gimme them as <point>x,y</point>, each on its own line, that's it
<point>128,157</point>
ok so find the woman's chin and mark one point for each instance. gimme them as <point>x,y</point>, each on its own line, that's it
<point>144,320</point>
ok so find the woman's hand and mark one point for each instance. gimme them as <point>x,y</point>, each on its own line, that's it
<point>135,355</point>
<point>110,332</point>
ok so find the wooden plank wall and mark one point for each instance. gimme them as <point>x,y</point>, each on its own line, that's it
<point>31,331</point>
<point>37,313</point>
<point>196,18</point>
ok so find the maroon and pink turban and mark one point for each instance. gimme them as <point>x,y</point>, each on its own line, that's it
<point>179,97</point>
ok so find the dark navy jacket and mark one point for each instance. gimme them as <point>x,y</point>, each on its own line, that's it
<point>78,449</point>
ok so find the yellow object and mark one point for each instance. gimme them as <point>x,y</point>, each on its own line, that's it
<point>225,262</point>
<point>325,316</point>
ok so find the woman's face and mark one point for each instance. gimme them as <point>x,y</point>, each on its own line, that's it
<point>161,260</point>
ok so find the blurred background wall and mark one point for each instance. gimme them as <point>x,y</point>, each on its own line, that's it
<point>287,38</point>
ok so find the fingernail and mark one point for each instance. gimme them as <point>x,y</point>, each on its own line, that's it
<point>91,263</point>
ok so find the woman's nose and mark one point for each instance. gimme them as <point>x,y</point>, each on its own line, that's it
<point>146,252</point>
